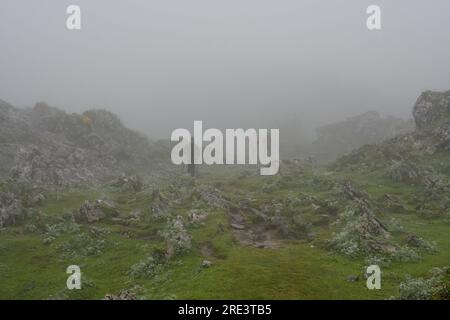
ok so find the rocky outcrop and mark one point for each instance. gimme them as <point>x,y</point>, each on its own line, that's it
<point>410,157</point>
<point>17,202</point>
<point>47,146</point>
<point>432,117</point>
<point>177,238</point>
<point>12,209</point>
<point>432,109</point>
<point>362,232</point>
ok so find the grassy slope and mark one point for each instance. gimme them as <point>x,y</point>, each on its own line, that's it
<point>30,269</point>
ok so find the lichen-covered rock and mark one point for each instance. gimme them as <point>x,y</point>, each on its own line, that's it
<point>123,295</point>
<point>436,286</point>
<point>403,171</point>
<point>177,237</point>
<point>417,242</point>
<point>93,211</point>
<point>17,202</point>
<point>132,183</point>
<point>362,233</point>
<point>206,263</point>
<point>212,196</point>
<point>160,205</point>
<point>197,217</point>
<point>392,203</point>
<point>11,212</point>
<point>353,193</point>
<point>281,225</point>
<point>432,109</point>
<point>147,268</point>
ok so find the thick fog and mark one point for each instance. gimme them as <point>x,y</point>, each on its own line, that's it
<point>253,63</point>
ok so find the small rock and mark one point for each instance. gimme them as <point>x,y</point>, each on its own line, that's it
<point>352,278</point>
<point>123,295</point>
<point>311,235</point>
<point>237,226</point>
<point>206,264</point>
<point>136,214</point>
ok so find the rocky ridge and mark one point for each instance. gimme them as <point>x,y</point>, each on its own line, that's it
<point>47,146</point>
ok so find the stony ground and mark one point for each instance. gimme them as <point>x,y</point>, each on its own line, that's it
<point>230,233</point>
<point>307,233</point>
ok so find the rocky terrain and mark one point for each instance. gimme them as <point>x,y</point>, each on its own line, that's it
<point>46,146</point>
<point>309,232</point>
<point>420,157</point>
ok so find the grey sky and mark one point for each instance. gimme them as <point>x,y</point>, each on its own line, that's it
<point>162,64</point>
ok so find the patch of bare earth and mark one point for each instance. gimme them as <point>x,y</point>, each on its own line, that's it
<point>257,235</point>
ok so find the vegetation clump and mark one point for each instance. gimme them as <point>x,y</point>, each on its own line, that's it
<point>436,286</point>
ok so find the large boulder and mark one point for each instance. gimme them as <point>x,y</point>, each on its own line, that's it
<point>432,109</point>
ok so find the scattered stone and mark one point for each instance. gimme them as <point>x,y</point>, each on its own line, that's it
<point>197,217</point>
<point>237,226</point>
<point>177,237</point>
<point>436,286</point>
<point>352,278</point>
<point>133,183</point>
<point>393,203</point>
<point>160,205</point>
<point>123,295</point>
<point>95,211</point>
<point>417,242</point>
<point>148,267</point>
<point>212,196</point>
<point>81,245</point>
<point>48,240</point>
<point>280,223</point>
<point>136,214</point>
<point>311,236</point>
<point>206,263</point>
<point>403,171</point>
<point>353,193</point>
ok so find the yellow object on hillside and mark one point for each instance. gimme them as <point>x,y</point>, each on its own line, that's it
<point>86,120</point>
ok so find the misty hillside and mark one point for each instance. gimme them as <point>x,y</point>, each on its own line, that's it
<point>324,163</point>
<point>177,236</point>
<point>46,145</point>
<point>339,138</point>
<point>408,157</point>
